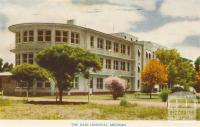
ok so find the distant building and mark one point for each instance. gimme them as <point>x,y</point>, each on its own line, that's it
<point>121,54</point>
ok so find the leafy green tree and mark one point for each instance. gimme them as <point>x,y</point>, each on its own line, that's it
<point>64,62</point>
<point>197,64</point>
<point>30,72</point>
<point>185,74</point>
<point>180,70</point>
<point>169,58</point>
<point>5,66</point>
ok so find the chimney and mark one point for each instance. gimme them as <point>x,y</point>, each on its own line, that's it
<point>71,22</point>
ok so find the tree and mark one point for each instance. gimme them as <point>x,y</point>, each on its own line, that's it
<point>117,86</point>
<point>154,73</point>
<point>180,70</point>
<point>197,84</point>
<point>197,64</point>
<point>64,62</point>
<point>28,73</point>
<point>5,66</point>
<point>185,75</point>
<point>169,58</point>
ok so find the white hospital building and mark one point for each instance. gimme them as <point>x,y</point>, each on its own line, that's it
<point>121,54</point>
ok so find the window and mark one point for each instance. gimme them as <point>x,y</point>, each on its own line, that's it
<point>22,84</point>
<point>40,35</point>
<point>31,36</point>
<point>123,49</point>
<point>61,36</point>
<point>44,35</point>
<point>25,36</point>
<point>146,55</point>
<point>108,64</point>
<point>17,59</point>
<point>116,65</point>
<point>139,54</point>
<point>123,66</point>
<point>24,58</point>
<point>101,60</point>
<point>18,37</point>
<point>39,84</point>
<point>99,83</point>
<point>75,83</point>
<point>74,38</point>
<point>116,47</point>
<point>138,69</point>
<point>47,35</point>
<point>47,84</point>
<point>28,36</point>
<point>30,58</point>
<point>100,43</point>
<point>65,36</point>
<point>128,66</point>
<point>149,55</point>
<point>108,45</point>
<point>128,48</point>
<point>92,41</point>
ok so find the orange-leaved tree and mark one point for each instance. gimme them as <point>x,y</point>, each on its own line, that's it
<point>154,73</point>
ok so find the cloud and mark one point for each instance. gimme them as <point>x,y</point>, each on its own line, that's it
<point>180,8</point>
<point>189,52</point>
<point>91,2</point>
<point>173,35</point>
<point>3,20</point>
<point>153,19</point>
<point>193,41</point>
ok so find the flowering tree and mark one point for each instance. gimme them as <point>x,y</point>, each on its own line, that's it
<point>117,86</point>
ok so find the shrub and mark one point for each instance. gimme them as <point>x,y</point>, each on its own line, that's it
<point>164,94</point>
<point>117,86</point>
<point>124,102</point>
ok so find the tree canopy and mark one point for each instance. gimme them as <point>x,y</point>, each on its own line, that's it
<point>197,64</point>
<point>64,62</point>
<point>180,70</point>
<point>5,66</point>
<point>29,72</point>
<point>154,73</point>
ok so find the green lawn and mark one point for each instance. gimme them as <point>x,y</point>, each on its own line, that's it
<point>12,109</point>
<point>20,110</point>
<point>130,97</point>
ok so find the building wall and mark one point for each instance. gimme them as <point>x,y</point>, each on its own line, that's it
<point>8,85</point>
<point>135,58</point>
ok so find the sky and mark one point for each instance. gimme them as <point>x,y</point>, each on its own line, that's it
<point>172,23</point>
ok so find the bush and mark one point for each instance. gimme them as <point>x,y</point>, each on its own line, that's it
<point>124,102</point>
<point>117,86</point>
<point>164,94</point>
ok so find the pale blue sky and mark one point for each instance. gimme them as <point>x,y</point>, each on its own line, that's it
<point>172,23</point>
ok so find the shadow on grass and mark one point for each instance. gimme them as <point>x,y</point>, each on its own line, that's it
<point>56,103</point>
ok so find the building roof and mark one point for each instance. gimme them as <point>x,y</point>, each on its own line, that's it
<point>5,74</point>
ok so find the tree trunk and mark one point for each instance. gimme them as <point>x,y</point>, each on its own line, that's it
<point>151,89</point>
<point>150,95</point>
<point>60,91</point>
<point>60,95</point>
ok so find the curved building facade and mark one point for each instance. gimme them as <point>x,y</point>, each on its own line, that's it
<point>121,53</point>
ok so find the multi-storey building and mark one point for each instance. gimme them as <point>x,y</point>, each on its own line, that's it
<point>121,54</point>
